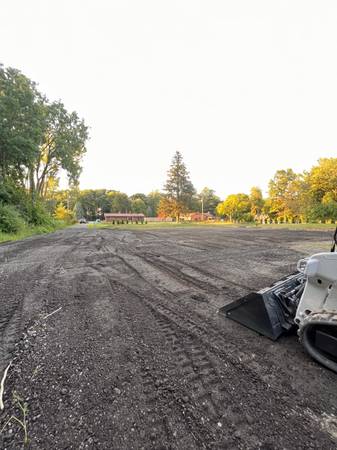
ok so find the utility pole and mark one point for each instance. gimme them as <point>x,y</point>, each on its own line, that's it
<point>202,208</point>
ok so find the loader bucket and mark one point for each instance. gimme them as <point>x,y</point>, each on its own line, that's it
<point>270,311</point>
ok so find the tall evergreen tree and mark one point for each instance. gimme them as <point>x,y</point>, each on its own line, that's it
<point>179,188</point>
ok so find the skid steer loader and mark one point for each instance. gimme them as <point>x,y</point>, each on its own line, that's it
<point>305,300</point>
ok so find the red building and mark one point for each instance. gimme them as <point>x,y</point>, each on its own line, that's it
<point>198,217</point>
<point>124,217</point>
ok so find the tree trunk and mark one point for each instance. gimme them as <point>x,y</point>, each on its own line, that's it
<point>3,167</point>
<point>32,184</point>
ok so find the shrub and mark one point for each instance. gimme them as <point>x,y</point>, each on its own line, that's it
<point>10,220</point>
<point>64,214</point>
<point>11,194</point>
<point>36,214</point>
<point>247,217</point>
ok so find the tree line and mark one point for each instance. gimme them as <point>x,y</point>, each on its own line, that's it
<point>310,196</point>
<point>178,197</point>
<point>38,138</point>
<point>91,204</point>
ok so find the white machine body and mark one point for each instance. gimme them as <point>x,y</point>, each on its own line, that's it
<point>320,292</point>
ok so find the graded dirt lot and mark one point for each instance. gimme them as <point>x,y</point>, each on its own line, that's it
<point>116,343</point>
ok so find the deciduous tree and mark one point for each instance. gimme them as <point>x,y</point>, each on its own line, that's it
<point>119,202</point>
<point>236,207</point>
<point>153,200</point>
<point>282,193</point>
<point>210,200</point>
<point>256,200</point>
<point>62,147</point>
<point>322,179</point>
<point>169,208</point>
<point>22,120</point>
<point>138,206</point>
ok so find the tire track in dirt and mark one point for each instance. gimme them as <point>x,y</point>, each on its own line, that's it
<point>181,379</point>
<point>176,267</point>
<point>166,301</point>
<point>10,327</point>
<point>12,318</point>
<point>199,371</point>
<point>173,428</point>
<point>22,303</point>
<point>202,371</point>
<point>208,391</point>
<point>214,338</point>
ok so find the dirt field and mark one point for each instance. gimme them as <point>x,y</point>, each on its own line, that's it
<point>137,356</point>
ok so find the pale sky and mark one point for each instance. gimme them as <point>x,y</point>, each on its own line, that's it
<point>241,87</point>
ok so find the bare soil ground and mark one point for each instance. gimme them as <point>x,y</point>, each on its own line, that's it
<point>137,356</point>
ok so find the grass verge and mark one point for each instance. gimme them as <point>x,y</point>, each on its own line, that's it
<point>28,231</point>
<point>172,225</point>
